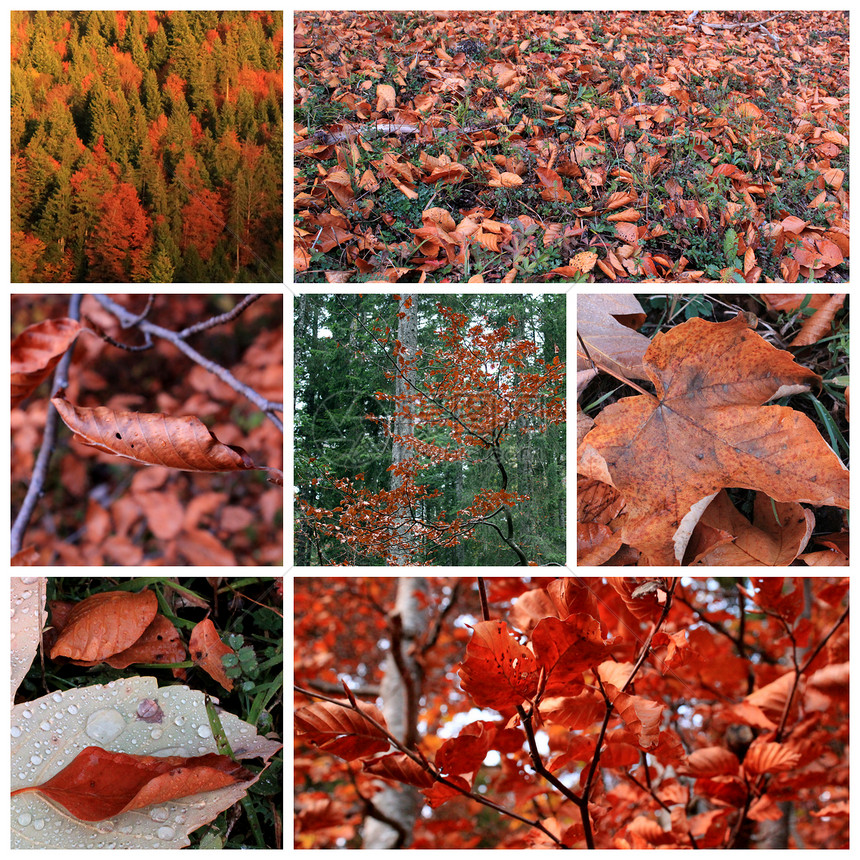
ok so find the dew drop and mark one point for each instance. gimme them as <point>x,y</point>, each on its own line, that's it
<point>22,775</point>
<point>126,830</point>
<point>155,734</point>
<point>166,833</point>
<point>35,759</point>
<point>15,731</point>
<point>27,714</point>
<point>72,709</point>
<point>57,697</point>
<point>45,726</point>
<point>39,824</point>
<point>24,819</point>
<point>105,725</point>
<point>26,594</point>
<point>106,826</point>
<point>160,813</point>
<point>204,732</point>
<point>179,721</point>
<point>43,706</point>
<point>181,819</point>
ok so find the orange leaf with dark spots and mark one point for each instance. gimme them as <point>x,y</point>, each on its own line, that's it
<point>152,438</point>
<point>99,784</point>
<point>207,649</point>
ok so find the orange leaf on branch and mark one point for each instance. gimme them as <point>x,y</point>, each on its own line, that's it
<point>100,784</point>
<point>341,731</point>
<point>152,438</point>
<point>37,351</point>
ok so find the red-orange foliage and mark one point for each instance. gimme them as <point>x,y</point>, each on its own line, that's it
<point>479,387</point>
<point>203,222</point>
<point>615,713</point>
<point>119,246</point>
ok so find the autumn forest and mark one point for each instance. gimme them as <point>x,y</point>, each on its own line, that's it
<point>147,146</point>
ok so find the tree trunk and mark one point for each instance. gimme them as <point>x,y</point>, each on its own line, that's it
<point>404,421</point>
<point>400,697</point>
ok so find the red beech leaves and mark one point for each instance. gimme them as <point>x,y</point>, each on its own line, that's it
<point>99,784</point>
<point>37,351</point>
<point>498,672</point>
<point>342,732</point>
<point>207,649</point>
<point>152,438</point>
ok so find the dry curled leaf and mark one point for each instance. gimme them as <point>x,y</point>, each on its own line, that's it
<point>705,429</point>
<point>152,438</point>
<point>99,784</point>
<point>104,624</point>
<point>207,649</point>
<point>37,351</point>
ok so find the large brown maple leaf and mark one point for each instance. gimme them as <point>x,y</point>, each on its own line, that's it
<point>706,429</point>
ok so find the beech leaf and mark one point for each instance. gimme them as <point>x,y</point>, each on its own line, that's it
<point>27,620</point>
<point>152,438</point>
<point>37,351</point>
<point>606,325</point>
<point>160,643</point>
<point>567,648</point>
<point>498,672</point>
<point>104,624</point>
<point>207,649</point>
<point>99,784</point>
<point>399,768</point>
<point>341,731</point>
<point>707,429</point>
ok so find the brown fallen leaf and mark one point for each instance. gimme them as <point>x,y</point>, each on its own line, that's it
<point>37,351</point>
<point>707,429</point>
<point>778,534</point>
<point>104,624</point>
<point>152,438</point>
<point>207,649</point>
<point>99,784</point>
<point>818,325</point>
<point>160,643</point>
<point>606,325</point>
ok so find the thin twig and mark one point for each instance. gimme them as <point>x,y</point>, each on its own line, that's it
<point>49,438</point>
<point>221,318</point>
<point>267,407</point>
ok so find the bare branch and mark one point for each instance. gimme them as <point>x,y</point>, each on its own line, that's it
<point>267,407</point>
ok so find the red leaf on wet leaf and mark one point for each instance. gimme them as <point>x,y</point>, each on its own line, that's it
<point>99,784</point>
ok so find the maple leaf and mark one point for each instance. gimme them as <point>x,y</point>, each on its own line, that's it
<point>707,429</point>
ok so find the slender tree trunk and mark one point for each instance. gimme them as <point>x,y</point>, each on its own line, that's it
<point>404,421</point>
<point>400,804</point>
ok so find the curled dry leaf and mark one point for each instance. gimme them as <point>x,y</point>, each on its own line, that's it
<point>99,784</point>
<point>707,429</point>
<point>341,731</point>
<point>152,438</point>
<point>37,351</point>
<point>207,649</point>
<point>105,624</point>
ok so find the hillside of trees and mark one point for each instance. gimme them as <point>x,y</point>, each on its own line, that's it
<point>147,146</point>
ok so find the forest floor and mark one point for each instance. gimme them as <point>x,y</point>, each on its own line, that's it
<point>598,146</point>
